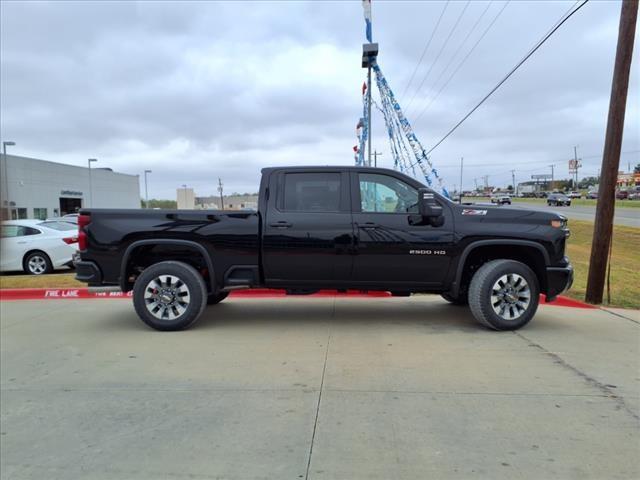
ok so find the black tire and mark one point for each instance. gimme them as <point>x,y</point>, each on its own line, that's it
<point>170,313</point>
<point>511,296</point>
<point>217,298</point>
<point>37,263</point>
<point>462,300</point>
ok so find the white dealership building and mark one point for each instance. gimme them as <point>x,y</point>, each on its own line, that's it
<point>33,188</point>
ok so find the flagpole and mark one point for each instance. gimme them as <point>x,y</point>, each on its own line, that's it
<point>369,111</point>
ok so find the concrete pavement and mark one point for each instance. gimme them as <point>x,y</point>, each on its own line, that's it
<point>317,388</point>
<point>623,216</point>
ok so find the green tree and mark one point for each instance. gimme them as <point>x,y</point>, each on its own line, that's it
<point>636,169</point>
<point>587,182</point>
<point>165,204</point>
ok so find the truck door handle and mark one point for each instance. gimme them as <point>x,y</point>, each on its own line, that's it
<point>281,224</point>
<point>22,243</point>
<point>369,225</point>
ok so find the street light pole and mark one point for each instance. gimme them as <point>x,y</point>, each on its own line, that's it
<point>89,162</point>
<point>6,176</point>
<point>146,191</point>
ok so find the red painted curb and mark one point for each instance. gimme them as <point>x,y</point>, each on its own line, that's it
<point>567,302</point>
<point>83,293</point>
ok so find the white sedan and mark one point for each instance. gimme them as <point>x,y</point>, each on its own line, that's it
<point>37,246</point>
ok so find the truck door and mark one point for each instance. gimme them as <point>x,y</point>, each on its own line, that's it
<point>389,249</point>
<point>308,229</point>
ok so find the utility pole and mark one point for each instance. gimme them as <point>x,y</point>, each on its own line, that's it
<point>475,182</point>
<point>375,157</point>
<point>611,158</point>
<point>513,182</point>
<point>461,189</point>
<point>552,177</point>
<point>220,191</point>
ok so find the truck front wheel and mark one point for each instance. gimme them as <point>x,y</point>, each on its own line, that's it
<point>504,294</point>
<point>169,295</point>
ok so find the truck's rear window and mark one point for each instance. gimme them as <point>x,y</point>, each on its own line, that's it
<point>312,192</point>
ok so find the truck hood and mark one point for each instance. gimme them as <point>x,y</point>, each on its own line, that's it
<point>496,213</point>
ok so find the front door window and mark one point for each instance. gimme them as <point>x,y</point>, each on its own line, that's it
<point>385,194</point>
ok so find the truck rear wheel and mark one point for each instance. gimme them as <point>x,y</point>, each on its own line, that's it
<point>504,294</point>
<point>169,295</point>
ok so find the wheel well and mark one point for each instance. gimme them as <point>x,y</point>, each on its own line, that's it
<point>144,256</point>
<point>530,256</point>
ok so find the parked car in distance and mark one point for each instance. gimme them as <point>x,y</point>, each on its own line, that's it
<point>70,217</point>
<point>574,194</point>
<point>501,199</point>
<point>60,225</point>
<point>592,195</point>
<point>558,200</point>
<point>622,195</point>
<point>634,193</point>
<point>36,246</point>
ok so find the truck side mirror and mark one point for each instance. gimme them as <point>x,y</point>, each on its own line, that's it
<point>427,205</point>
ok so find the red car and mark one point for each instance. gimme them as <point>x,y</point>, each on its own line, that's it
<point>622,194</point>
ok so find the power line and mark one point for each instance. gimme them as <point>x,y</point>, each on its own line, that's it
<point>507,164</point>
<point>453,74</point>
<point>453,57</point>
<point>513,70</point>
<point>424,51</point>
<point>453,29</point>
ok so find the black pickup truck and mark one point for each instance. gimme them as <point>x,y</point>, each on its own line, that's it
<point>329,227</point>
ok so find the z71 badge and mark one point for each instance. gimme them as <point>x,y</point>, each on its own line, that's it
<point>473,211</point>
<point>427,252</point>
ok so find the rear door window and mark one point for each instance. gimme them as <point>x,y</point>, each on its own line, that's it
<point>312,192</point>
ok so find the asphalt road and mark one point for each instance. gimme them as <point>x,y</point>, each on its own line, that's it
<point>623,216</point>
<point>317,388</point>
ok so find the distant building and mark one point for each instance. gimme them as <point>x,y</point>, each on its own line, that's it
<point>628,179</point>
<point>231,202</point>
<point>185,198</point>
<point>40,189</point>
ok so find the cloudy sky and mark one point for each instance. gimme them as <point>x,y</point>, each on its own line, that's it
<point>201,90</point>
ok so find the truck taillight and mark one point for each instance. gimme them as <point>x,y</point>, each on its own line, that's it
<point>83,221</point>
<point>70,240</point>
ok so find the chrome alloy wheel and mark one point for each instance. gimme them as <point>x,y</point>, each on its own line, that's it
<point>37,264</point>
<point>510,296</point>
<point>166,297</point>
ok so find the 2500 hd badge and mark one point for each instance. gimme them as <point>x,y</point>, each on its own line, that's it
<point>427,252</point>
